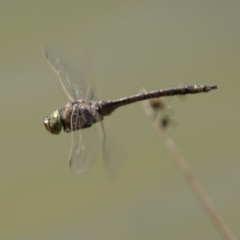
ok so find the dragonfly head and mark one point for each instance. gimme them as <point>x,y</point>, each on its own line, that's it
<point>53,123</point>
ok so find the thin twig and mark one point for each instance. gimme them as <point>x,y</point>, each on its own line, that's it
<point>191,179</point>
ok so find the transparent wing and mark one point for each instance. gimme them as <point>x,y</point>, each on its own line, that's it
<point>112,154</point>
<point>84,149</point>
<point>74,82</point>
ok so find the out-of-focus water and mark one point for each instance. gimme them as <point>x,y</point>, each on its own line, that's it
<point>133,44</point>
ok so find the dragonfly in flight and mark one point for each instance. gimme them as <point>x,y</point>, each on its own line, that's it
<point>82,111</point>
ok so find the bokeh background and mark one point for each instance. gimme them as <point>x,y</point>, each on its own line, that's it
<point>133,44</point>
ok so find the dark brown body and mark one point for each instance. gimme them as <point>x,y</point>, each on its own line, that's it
<point>83,113</point>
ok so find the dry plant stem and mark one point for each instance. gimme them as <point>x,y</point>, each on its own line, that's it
<point>191,179</point>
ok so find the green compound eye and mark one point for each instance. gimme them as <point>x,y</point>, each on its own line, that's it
<point>53,123</point>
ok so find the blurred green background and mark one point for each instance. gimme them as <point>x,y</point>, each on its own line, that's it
<point>134,44</point>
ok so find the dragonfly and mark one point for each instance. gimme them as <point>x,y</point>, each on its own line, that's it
<point>82,111</point>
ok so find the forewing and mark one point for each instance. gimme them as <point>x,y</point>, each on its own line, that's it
<point>75,84</point>
<point>84,149</point>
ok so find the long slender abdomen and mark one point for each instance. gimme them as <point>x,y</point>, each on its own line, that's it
<point>109,106</point>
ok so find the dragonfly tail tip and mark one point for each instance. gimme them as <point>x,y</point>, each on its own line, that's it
<point>207,89</point>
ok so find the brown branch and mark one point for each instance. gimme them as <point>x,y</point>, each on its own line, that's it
<point>151,112</point>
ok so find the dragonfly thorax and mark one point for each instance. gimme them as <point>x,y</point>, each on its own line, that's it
<point>53,123</point>
<point>79,114</point>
